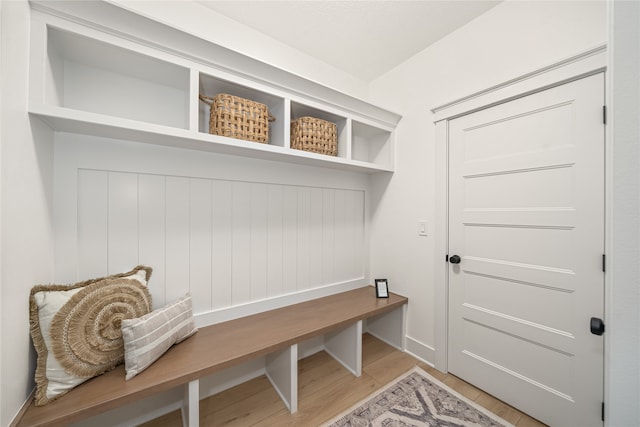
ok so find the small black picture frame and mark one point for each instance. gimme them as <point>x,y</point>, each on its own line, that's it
<point>382,288</point>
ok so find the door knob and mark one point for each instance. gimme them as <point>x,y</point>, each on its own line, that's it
<point>454,259</point>
<point>597,326</point>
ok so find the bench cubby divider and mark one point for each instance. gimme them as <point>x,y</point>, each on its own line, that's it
<point>191,404</point>
<point>282,371</point>
<point>345,346</point>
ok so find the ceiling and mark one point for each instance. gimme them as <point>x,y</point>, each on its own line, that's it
<point>364,38</point>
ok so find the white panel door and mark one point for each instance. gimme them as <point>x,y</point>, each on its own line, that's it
<point>526,218</point>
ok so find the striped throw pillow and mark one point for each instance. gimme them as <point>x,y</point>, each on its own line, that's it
<point>148,337</point>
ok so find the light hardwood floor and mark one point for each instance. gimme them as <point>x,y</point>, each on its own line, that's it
<point>325,390</point>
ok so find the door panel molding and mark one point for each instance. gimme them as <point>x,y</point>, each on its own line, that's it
<point>520,376</point>
<point>535,333</point>
<point>553,278</point>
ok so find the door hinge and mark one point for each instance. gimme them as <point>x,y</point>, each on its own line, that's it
<point>446,258</point>
<point>604,263</point>
<point>602,411</point>
<point>604,114</point>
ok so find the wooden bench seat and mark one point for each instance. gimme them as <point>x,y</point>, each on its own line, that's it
<point>274,334</point>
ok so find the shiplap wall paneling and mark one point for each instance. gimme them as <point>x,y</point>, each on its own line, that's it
<point>348,235</point>
<point>177,237</point>
<point>222,238</point>
<point>226,242</point>
<point>316,232</point>
<point>304,237</point>
<point>290,233</point>
<point>355,213</point>
<point>200,244</point>
<point>122,224</point>
<point>328,235</point>
<point>151,232</point>
<point>342,235</point>
<point>275,240</point>
<point>241,243</point>
<point>258,233</point>
<point>93,205</point>
<point>359,256</point>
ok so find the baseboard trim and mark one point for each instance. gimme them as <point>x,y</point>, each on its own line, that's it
<point>420,351</point>
<point>23,408</point>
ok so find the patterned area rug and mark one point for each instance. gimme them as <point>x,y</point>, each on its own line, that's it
<point>416,399</point>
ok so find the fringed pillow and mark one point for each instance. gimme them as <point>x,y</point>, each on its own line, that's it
<point>76,329</point>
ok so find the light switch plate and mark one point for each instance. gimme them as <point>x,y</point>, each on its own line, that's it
<point>423,228</point>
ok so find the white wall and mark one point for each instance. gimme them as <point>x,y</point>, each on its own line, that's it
<point>622,388</point>
<point>1,119</point>
<point>508,41</point>
<point>26,210</point>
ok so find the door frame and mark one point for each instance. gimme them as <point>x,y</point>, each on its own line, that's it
<point>581,65</point>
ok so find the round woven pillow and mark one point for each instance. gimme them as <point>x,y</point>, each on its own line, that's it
<point>86,332</point>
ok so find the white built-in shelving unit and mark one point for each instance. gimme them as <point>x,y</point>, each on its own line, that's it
<point>138,178</point>
<point>104,83</point>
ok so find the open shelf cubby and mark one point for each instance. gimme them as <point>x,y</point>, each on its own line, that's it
<point>212,86</point>
<point>371,144</point>
<point>88,75</point>
<point>300,110</point>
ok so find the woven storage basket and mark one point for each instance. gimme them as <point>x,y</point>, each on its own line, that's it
<point>315,135</point>
<point>239,118</point>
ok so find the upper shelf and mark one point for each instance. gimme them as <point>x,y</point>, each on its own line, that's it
<point>91,82</point>
<point>86,123</point>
